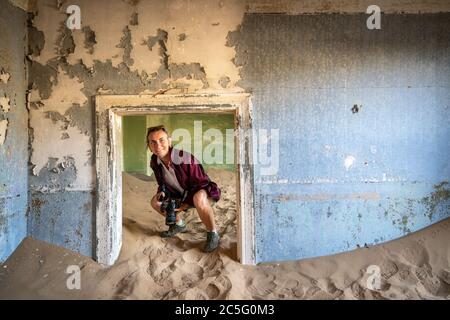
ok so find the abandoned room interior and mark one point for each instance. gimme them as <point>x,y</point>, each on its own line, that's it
<point>324,124</point>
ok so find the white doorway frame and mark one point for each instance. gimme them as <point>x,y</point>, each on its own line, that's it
<point>109,110</point>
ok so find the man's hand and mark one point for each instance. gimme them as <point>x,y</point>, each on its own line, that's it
<point>159,197</point>
<point>182,207</point>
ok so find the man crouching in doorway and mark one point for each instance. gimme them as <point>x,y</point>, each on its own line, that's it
<point>182,175</point>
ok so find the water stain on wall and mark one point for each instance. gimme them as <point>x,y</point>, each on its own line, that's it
<point>441,196</point>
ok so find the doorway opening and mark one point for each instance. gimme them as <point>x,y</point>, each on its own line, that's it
<point>210,138</point>
<point>111,159</point>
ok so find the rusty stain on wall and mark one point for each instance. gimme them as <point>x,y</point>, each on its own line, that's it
<point>36,204</point>
<point>441,196</point>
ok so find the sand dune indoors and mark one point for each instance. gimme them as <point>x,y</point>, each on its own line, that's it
<point>149,267</point>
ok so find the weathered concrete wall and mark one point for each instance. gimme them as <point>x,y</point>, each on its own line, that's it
<point>64,218</point>
<point>348,176</point>
<point>132,47</point>
<point>124,47</point>
<point>345,6</point>
<point>13,128</point>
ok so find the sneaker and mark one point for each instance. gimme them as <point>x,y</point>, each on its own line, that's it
<point>173,230</point>
<point>212,241</point>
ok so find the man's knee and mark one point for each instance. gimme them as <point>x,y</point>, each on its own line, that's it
<point>201,199</point>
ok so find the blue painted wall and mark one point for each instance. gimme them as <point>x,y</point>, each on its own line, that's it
<point>306,73</point>
<point>58,214</point>
<point>64,219</point>
<point>14,151</point>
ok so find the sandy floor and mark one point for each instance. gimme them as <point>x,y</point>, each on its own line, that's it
<point>414,267</point>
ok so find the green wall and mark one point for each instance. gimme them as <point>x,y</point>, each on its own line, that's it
<point>136,157</point>
<point>134,145</point>
<point>220,122</point>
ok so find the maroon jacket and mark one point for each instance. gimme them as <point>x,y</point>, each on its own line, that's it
<point>190,175</point>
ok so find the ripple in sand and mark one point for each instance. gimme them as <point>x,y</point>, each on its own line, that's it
<point>125,286</point>
<point>224,284</point>
<point>261,285</point>
<point>388,269</point>
<point>192,255</point>
<point>430,282</point>
<point>415,256</point>
<point>212,291</point>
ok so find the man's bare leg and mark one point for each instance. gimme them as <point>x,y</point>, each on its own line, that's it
<point>206,213</point>
<point>204,210</point>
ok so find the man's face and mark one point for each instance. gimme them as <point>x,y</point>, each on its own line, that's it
<point>159,143</point>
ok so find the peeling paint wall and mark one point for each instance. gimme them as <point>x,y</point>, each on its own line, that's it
<point>295,7</point>
<point>64,218</point>
<point>364,128</point>
<point>123,47</point>
<point>13,128</point>
<point>297,67</point>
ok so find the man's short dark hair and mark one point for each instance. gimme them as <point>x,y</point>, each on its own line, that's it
<point>157,128</point>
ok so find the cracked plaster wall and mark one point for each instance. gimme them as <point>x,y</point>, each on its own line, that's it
<point>129,47</point>
<point>13,128</point>
<point>122,48</point>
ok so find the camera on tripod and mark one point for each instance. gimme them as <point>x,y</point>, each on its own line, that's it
<point>168,205</point>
